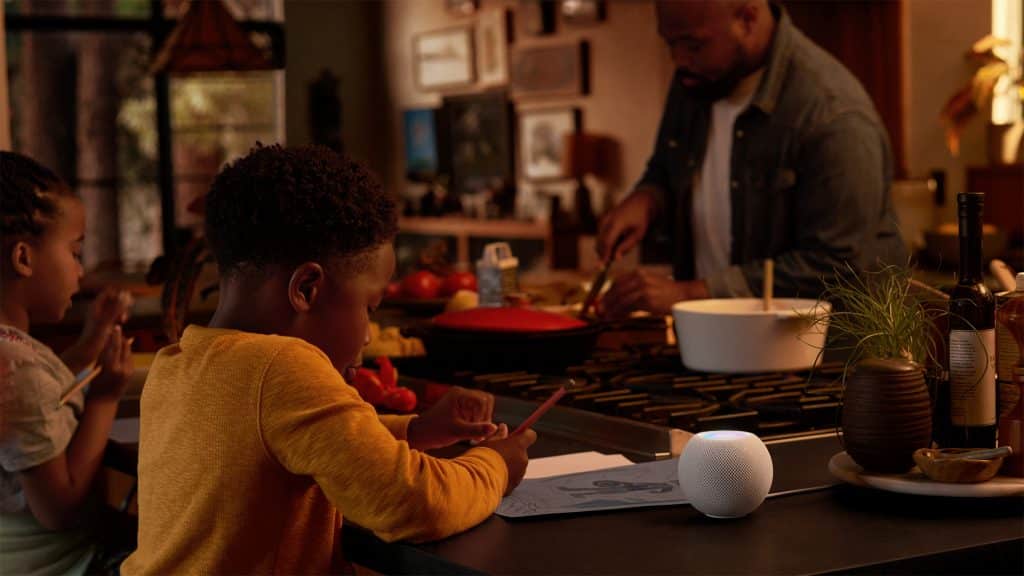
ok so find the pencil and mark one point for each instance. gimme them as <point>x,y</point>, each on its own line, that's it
<point>79,384</point>
<point>532,419</point>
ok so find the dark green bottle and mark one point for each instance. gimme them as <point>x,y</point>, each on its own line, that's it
<point>972,338</point>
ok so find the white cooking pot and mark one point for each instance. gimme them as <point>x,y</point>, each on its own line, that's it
<point>737,335</point>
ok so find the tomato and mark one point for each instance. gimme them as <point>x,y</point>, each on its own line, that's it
<point>421,285</point>
<point>369,386</point>
<point>388,372</point>
<point>394,290</point>
<point>456,281</point>
<point>400,400</point>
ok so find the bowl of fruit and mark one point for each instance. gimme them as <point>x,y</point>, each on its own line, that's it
<point>427,293</point>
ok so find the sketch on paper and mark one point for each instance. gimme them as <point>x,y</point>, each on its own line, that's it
<point>633,486</point>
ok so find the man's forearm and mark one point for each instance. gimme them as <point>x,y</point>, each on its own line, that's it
<point>655,196</point>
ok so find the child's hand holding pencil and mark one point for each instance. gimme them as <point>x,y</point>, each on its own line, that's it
<point>116,367</point>
<point>513,448</point>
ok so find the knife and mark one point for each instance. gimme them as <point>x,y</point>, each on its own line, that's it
<point>599,280</point>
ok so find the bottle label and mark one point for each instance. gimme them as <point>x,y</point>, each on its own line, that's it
<point>496,282</point>
<point>972,377</point>
<point>489,281</point>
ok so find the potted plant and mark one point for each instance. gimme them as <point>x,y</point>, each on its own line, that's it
<point>887,331</point>
<point>994,76</point>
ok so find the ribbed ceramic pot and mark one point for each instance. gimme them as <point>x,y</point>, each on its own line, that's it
<point>886,414</point>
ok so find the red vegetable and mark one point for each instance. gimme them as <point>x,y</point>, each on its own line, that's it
<point>393,290</point>
<point>421,285</point>
<point>400,400</point>
<point>369,386</point>
<point>388,372</point>
<point>456,281</point>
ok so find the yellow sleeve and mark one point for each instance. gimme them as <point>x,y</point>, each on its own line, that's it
<point>314,424</point>
<point>397,424</point>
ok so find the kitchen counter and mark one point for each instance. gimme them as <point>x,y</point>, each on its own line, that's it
<point>818,528</point>
<point>813,527</point>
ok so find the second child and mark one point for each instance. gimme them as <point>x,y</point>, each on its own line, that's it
<point>52,438</point>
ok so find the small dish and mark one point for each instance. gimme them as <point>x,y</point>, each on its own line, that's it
<point>960,465</point>
<point>915,482</point>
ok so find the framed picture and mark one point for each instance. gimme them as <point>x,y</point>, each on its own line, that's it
<point>444,58</point>
<point>479,132</point>
<point>493,31</point>
<point>581,12</point>
<point>561,70</point>
<point>461,7</point>
<point>542,135</point>
<point>536,17</point>
<point>422,150</point>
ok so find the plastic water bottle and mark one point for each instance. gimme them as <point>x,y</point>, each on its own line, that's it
<point>497,274</point>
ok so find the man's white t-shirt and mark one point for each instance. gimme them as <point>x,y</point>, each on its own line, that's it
<point>712,205</point>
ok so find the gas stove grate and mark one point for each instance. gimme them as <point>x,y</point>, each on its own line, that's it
<point>649,384</point>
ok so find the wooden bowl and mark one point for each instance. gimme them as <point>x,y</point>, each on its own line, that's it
<point>944,465</point>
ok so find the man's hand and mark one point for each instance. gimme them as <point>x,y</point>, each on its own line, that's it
<point>513,452</point>
<point>110,309</point>
<point>646,290</point>
<point>459,415</point>
<point>626,222</point>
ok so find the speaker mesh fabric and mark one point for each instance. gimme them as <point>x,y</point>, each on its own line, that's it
<point>725,473</point>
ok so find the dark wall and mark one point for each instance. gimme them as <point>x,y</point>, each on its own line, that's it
<point>866,37</point>
<point>343,38</point>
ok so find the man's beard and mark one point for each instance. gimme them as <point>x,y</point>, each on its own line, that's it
<point>712,90</point>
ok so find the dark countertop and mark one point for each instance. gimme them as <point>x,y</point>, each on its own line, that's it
<point>826,528</point>
<point>814,527</point>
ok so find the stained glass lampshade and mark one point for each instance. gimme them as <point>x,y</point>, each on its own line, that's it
<point>208,39</point>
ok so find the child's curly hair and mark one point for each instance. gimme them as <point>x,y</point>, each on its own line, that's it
<point>286,206</point>
<point>28,196</point>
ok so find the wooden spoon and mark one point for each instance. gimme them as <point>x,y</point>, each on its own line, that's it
<point>769,283</point>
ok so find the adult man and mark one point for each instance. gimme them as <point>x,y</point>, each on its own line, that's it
<point>768,148</point>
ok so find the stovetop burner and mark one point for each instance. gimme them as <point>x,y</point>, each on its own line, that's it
<point>648,383</point>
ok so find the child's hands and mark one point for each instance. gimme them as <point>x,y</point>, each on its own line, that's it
<point>110,309</point>
<point>513,451</point>
<point>459,415</point>
<point>117,367</point>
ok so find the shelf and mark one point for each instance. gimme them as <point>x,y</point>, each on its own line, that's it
<point>453,226</point>
<point>465,228</point>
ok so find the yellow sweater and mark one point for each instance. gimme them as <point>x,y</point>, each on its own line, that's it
<point>253,446</point>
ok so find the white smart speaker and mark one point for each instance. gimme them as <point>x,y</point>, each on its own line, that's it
<point>725,473</point>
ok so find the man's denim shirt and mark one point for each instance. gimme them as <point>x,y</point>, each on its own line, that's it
<point>811,169</point>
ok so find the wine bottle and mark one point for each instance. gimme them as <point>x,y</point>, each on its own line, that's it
<point>972,338</point>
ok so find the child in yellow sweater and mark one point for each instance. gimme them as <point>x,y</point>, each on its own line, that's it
<point>252,444</point>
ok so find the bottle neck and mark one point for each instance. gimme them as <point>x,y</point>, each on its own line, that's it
<point>970,244</point>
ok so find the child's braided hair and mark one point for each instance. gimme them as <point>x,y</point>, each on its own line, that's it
<point>28,194</point>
